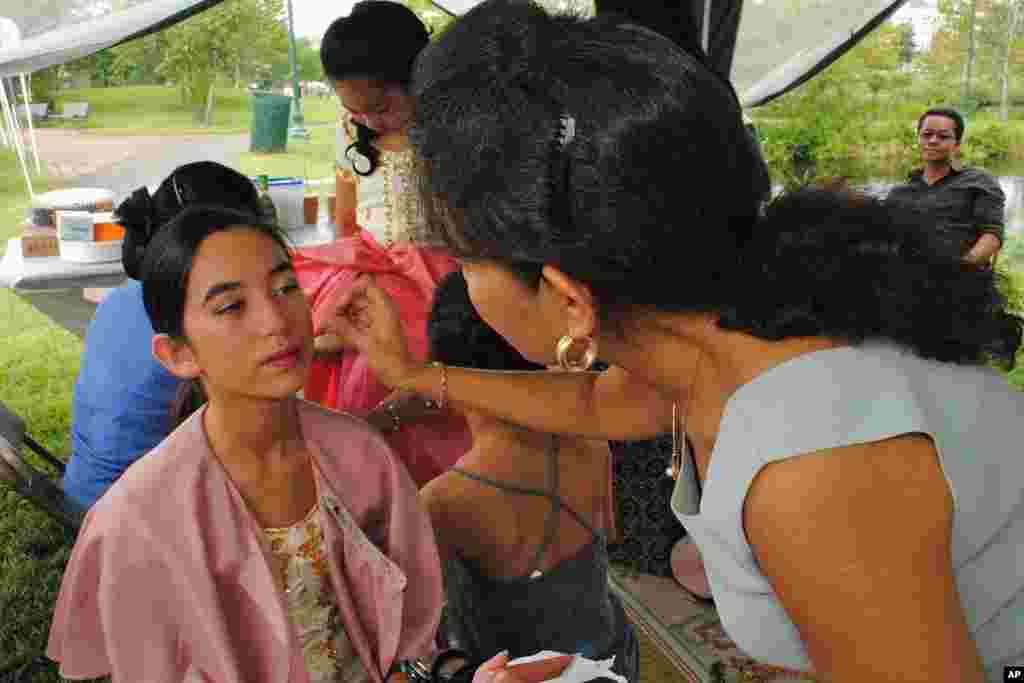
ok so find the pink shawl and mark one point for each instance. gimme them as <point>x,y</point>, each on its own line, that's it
<point>170,573</point>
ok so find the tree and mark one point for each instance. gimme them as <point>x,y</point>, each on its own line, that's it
<point>908,48</point>
<point>1014,24</point>
<point>307,55</point>
<point>436,20</point>
<point>976,62</point>
<point>971,18</point>
<point>137,61</point>
<point>98,67</point>
<point>223,42</point>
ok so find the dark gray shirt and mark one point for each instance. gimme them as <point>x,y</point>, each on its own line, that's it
<point>967,204</point>
<point>567,609</point>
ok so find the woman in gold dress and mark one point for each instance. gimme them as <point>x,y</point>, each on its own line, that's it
<point>368,56</point>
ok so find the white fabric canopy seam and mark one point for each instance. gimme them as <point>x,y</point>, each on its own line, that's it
<point>83,38</point>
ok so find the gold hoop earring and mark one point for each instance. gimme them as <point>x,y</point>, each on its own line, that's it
<point>585,359</point>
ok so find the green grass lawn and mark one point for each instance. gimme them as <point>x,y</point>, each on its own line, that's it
<point>154,109</point>
<point>312,159</point>
<point>38,365</point>
<point>157,110</point>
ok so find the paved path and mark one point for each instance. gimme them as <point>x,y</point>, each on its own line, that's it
<point>124,163</point>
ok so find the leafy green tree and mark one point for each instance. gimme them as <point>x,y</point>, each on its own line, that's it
<point>97,67</point>
<point>908,47</point>
<point>822,128</point>
<point>137,61</point>
<point>435,19</point>
<point>43,84</point>
<point>307,54</point>
<point>234,39</point>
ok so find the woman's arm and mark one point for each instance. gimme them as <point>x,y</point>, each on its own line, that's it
<point>607,405</point>
<point>595,405</point>
<point>984,250</point>
<point>856,543</point>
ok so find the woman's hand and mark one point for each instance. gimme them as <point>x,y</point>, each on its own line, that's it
<point>367,320</point>
<point>495,670</point>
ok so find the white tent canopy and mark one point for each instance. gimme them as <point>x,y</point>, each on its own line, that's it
<point>766,46</point>
<point>58,31</point>
<point>770,46</point>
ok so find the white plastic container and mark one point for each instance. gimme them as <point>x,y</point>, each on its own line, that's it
<point>288,195</point>
<point>90,252</point>
<point>76,239</point>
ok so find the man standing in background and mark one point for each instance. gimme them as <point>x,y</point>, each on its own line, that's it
<point>967,202</point>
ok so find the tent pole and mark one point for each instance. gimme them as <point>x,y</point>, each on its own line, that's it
<point>3,131</point>
<point>12,121</point>
<point>26,95</point>
<point>12,115</point>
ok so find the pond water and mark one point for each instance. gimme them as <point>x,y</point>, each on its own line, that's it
<point>878,181</point>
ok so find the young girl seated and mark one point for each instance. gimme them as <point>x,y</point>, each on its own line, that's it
<point>266,539</point>
<point>124,399</point>
<point>522,520</point>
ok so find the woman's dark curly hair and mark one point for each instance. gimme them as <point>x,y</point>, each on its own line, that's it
<point>676,21</point>
<point>827,264</point>
<point>459,336</point>
<point>379,40</point>
<point>604,150</point>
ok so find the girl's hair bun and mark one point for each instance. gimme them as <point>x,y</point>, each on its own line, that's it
<point>137,215</point>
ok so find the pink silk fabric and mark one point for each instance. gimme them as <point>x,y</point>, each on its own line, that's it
<point>409,274</point>
<point>170,576</point>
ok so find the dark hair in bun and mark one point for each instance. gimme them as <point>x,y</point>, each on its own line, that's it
<point>459,336</point>
<point>202,182</point>
<point>379,39</point>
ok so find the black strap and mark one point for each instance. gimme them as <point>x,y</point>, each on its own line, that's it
<point>556,506</point>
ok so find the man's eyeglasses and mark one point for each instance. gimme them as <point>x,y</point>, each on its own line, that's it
<point>941,137</point>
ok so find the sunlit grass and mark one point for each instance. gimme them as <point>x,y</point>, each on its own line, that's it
<point>312,159</point>
<point>157,110</point>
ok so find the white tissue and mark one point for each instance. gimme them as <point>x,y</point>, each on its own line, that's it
<point>580,669</point>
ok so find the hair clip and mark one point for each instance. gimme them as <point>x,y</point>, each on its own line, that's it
<point>177,192</point>
<point>568,129</point>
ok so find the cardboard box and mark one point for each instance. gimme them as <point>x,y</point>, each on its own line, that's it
<point>39,243</point>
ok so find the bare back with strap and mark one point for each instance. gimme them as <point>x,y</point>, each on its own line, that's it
<point>568,608</point>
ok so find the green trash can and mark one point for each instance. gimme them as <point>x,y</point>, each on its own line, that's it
<point>270,117</point>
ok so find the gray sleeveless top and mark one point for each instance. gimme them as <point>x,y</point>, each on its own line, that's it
<point>567,609</point>
<point>850,395</point>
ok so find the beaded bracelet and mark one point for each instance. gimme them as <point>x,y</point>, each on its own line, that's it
<point>396,420</point>
<point>442,400</point>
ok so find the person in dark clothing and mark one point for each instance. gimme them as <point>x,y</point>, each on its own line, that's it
<point>522,520</point>
<point>967,202</point>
